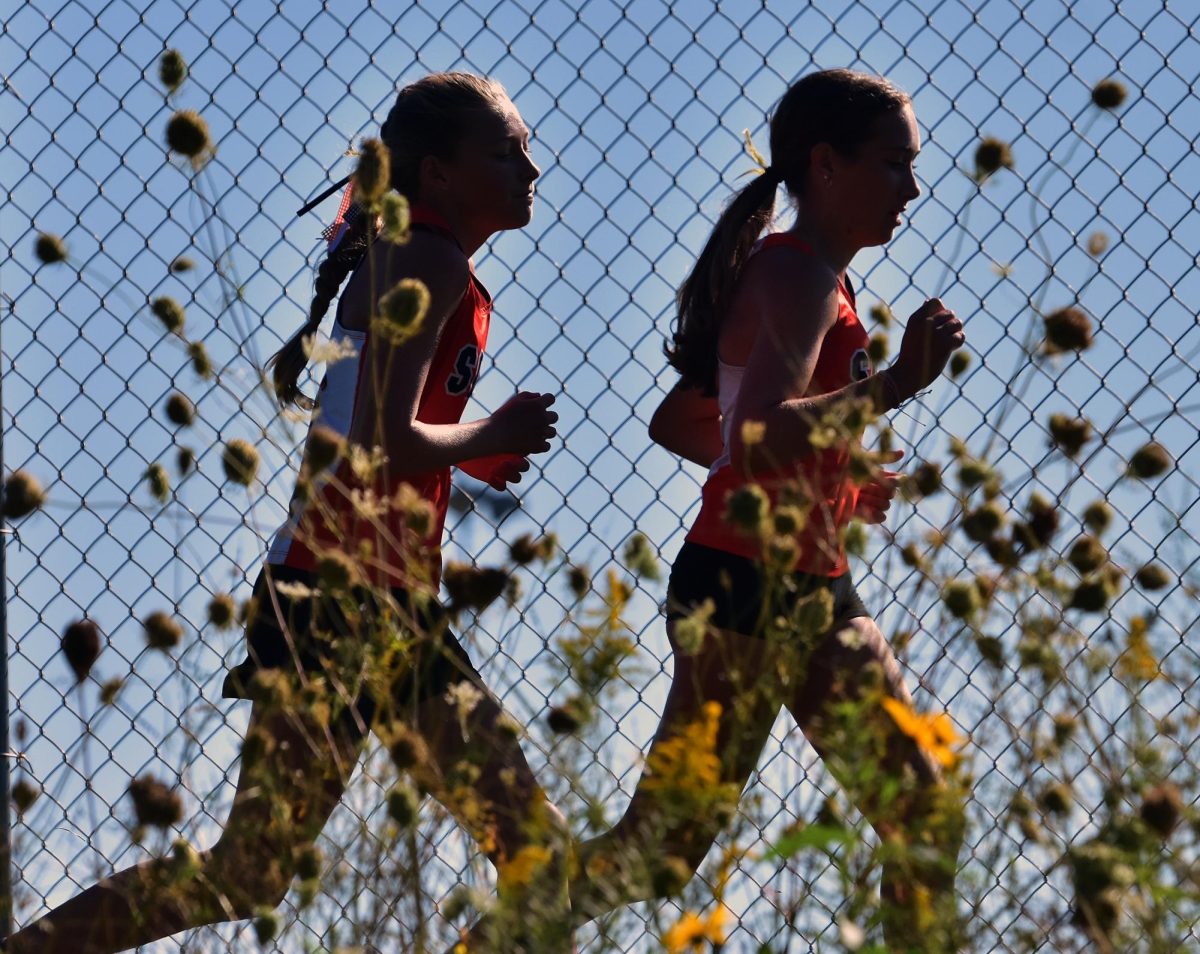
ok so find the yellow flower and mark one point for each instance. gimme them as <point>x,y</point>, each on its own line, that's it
<point>933,733</point>
<point>691,931</point>
<point>687,760</point>
<point>520,869</point>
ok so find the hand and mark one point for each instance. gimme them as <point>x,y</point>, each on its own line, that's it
<point>525,424</point>
<point>932,334</point>
<point>875,496</point>
<point>497,471</point>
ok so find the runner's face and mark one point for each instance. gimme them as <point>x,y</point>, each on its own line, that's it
<point>875,187</point>
<point>492,173</point>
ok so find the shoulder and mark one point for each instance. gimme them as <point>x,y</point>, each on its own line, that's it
<point>427,256</point>
<point>786,282</point>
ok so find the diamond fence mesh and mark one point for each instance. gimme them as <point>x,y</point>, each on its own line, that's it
<point>1078,717</point>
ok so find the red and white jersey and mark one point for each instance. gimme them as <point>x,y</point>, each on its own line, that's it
<point>339,515</point>
<point>823,475</point>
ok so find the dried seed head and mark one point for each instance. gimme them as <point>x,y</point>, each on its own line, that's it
<point>180,410</point>
<point>372,176</point>
<point>24,794</point>
<point>110,690</point>
<point>1097,516</point>
<point>81,646</point>
<point>185,460</point>
<point>394,211</point>
<point>159,481</point>
<point>240,461</point>
<point>959,362</point>
<point>1092,595</point>
<point>973,473</point>
<point>182,264</point>
<point>522,551</point>
<point>337,571</point>
<point>1055,799</point>
<point>200,363</point>
<point>1069,434</point>
<point>1097,244</point>
<point>877,347</point>
<point>881,314</point>
<point>222,610</point>
<point>1067,329</point>
<point>1087,554</point>
<point>992,155</point>
<point>308,862</point>
<point>640,557</point>
<point>407,749</point>
<point>402,805</point>
<point>167,310</point>
<point>669,875</point>
<point>325,445</point>
<point>564,719</point>
<point>579,580</point>
<point>1149,461</point>
<point>746,508</point>
<point>187,134</point>
<point>1109,93</point>
<point>23,494</point>
<point>983,523</point>
<point>1162,807</point>
<point>266,926</point>
<point>473,587</point>
<point>172,69</point>
<point>162,632</point>
<point>927,478</point>
<point>1153,576</point>
<point>961,598</point>
<point>49,249</point>
<point>154,803</point>
<point>404,307</point>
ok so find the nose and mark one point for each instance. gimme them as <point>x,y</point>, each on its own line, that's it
<point>914,187</point>
<point>532,170</point>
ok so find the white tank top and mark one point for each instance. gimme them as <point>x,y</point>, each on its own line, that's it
<point>729,383</point>
<point>335,408</point>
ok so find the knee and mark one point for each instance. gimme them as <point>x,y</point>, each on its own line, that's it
<point>246,884</point>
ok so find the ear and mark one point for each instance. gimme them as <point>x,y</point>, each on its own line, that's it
<point>431,174</point>
<point>822,164</point>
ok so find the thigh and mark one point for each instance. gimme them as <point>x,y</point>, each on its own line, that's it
<point>851,665</point>
<point>294,770</point>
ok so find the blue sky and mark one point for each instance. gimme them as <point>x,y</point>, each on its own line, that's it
<point>637,112</point>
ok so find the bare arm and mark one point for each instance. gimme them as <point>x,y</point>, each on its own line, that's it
<point>688,424</point>
<point>796,299</point>
<point>395,376</point>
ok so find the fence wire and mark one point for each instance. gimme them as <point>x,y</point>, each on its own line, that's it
<point>637,111</point>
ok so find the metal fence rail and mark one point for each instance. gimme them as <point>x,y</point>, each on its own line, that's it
<point>637,110</point>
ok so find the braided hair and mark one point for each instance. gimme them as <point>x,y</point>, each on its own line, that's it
<point>429,118</point>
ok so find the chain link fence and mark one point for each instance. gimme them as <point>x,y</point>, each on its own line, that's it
<point>637,110</point>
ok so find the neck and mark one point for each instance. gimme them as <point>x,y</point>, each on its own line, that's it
<point>822,232</point>
<point>469,236</point>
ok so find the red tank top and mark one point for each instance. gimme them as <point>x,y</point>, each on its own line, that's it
<point>824,474</point>
<point>340,517</point>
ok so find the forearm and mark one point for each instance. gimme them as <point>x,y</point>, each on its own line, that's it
<point>788,425</point>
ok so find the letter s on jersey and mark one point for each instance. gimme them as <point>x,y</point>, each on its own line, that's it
<point>466,369</point>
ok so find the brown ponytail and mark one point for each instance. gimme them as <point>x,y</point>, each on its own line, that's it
<point>838,107</point>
